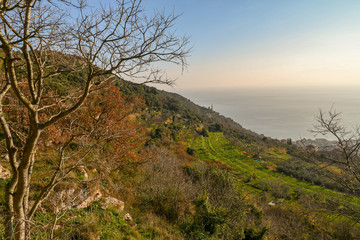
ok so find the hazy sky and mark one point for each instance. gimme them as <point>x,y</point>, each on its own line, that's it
<point>267,43</point>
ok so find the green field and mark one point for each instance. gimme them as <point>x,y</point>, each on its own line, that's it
<point>217,148</point>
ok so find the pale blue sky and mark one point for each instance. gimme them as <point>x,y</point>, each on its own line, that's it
<point>267,43</point>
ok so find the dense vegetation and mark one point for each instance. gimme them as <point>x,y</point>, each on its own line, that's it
<point>194,174</point>
<point>282,181</point>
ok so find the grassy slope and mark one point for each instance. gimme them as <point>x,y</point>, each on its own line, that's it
<point>217,147</point>
<point>252,175</point>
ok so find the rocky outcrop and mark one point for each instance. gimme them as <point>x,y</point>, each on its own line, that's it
<point>64,197</point>
<point>69,196</point>
<point>87,201</point>
<point>110,202</point>
<point>4,173</point>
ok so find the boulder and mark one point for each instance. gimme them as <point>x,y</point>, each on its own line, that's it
<point>110,202</point>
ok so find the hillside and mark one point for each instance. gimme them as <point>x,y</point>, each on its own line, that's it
<point>191,173</point>
<point>278,178</point>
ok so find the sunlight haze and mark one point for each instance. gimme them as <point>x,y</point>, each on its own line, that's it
<point>268,43</point>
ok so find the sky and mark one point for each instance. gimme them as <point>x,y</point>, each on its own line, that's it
<point>278,43</point>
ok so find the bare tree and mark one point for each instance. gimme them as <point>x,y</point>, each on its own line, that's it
<point>54,54</point>
<point>341,161</point>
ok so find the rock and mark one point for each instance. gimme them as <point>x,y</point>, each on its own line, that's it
<point>4,173</point>
<point>64,199</point>
<point>113,203</point>
<point>127,217</point>
<point>69,196</point>
<point>95,196</point>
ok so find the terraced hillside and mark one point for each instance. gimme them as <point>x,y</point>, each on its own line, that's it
<point>273,191</point>
<point>216,147</point>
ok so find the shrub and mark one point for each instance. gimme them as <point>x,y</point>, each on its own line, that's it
<point>206,220</point>
<point>164,189</point>
<point>216,127</point>
<point>279,189</point>
<point>190,151</point>
<point>220,204</point>
<point>252,234</point>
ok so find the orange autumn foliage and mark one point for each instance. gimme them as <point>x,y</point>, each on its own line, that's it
<point>104,124</point>
<point>105,128</point>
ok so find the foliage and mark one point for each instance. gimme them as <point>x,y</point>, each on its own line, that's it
<point>220,211</point>
<point>267,170</point>
<point>89,223</point>
<point>310,173</point>
<point>205,222</point>
<point>55,54</point>
<point>101,136</point>
<point>198,175</point>
<point>216,127</point>
<point>164,188</point>
<point>251,234</point>
<point>264,185</point>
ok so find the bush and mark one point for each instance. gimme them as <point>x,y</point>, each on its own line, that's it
<point>204,132</point>
<point>164,189</point>
<point>203,200</point>
<point>190,151</point>
<point>216,127</point>
<point>206,220</point>
<point>220,204</point>
<point>279,189</point>
<point>252,234</point>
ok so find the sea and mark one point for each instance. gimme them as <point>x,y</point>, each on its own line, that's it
<point>281,112</point>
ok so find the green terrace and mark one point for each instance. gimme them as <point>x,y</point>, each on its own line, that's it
<point>254,173</point>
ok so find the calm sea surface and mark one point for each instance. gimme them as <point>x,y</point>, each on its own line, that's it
<point>281,112</point>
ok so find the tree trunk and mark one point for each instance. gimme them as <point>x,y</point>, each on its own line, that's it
<point>9,214</point>
<point>26,197</point>
<point>20,226</point>
<point>20,203</point>
<point>9,198</point>
<point>20,215</point>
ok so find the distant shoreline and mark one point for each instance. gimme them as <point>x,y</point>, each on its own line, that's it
<point>280,113</point>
